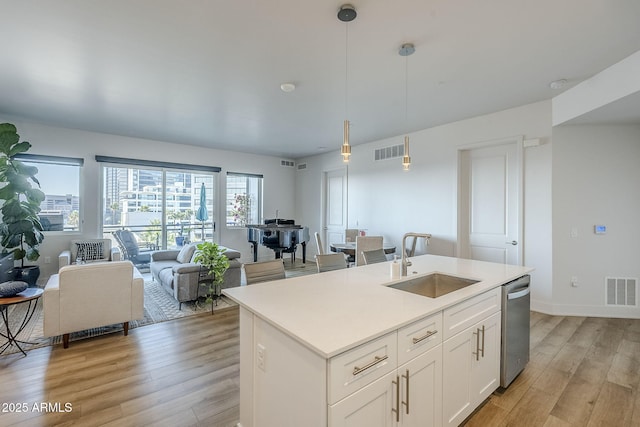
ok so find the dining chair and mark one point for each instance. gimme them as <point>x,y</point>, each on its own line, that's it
<point>263,271</point>
<point>366,243</point>
<point>319,243</point>
<point>330,262</point>
<point>374,256</point>
<point>350,234</point>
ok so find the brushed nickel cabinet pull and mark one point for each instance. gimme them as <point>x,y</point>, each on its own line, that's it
<point>482,351</point>
<point>397,408</point>
<point>477,352</point>
<point>406,377</point>
<point>425,336</point>
<point>375,361</point>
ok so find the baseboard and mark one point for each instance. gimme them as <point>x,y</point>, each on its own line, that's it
<point>585,310</point>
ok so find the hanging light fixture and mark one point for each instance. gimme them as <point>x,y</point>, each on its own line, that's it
<point>406,50</point>
<point>347,13</point>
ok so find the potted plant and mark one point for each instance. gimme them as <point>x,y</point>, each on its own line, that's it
<point>213,258</point>
<point>20,230</point>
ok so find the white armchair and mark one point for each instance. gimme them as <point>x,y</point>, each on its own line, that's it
<point>88,296</point>
<point>91,250</point>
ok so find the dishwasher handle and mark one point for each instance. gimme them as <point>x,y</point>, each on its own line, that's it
<point>515,295</point>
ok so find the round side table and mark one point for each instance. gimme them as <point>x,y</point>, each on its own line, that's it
<point>29,295</point>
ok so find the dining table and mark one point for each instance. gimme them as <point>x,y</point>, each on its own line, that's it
<point>349,248</point>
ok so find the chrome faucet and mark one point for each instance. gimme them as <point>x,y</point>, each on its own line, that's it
<point>405,259</point>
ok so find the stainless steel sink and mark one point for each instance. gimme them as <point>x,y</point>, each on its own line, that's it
<point>433,285</point>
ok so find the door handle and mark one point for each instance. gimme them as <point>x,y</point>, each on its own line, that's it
<point>513,242</point>
<point>406,377</point>
<point>519,294</point>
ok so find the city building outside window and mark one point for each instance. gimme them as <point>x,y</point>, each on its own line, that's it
<point>159,202</point>
<point>59,179</point>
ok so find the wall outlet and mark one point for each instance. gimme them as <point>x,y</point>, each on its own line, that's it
<point>574,281</point>
<point>47,260</point>
<point>260,357</point>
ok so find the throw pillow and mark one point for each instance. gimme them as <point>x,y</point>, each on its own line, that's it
<point>89,251</point>
<point>185,254</point>
<point>9,289</point>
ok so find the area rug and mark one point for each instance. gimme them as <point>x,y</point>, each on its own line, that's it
<point>158,307</point>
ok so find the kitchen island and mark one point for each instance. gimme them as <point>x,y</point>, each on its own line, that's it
<point>319,350</point>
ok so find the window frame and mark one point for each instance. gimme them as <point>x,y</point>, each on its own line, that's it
<point>42,159</point>
<point>259,215</point>
<point>165,169</point>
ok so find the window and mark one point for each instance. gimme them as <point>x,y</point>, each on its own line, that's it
<point>59,179</point>
<point>244,199</point>
<point>165,205</point>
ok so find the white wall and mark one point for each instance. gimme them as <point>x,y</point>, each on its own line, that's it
<point>389,202</point>
<point>278,180</point>
<point>596,180</point>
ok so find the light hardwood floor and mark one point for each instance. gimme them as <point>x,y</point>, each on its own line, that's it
<point>583,372</point>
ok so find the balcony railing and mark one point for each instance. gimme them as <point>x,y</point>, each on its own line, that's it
<point>149,236</point>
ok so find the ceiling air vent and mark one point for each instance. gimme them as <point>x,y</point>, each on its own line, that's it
<point>621,291</point>
<point>302,166</point>
<point>287,163</point>
<point>389,152</point>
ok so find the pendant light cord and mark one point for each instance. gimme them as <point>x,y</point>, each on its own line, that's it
<point>406,92</point>
<point>346,71</point>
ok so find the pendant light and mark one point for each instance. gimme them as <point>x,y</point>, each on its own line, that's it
<point>347,13</point>
<point>406,50</point>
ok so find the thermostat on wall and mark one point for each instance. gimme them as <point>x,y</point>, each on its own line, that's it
<point>600,229</point>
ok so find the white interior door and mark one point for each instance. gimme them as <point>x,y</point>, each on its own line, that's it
<point>490,203</point>
<point>335,215</point>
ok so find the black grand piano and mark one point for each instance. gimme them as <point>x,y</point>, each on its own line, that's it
<point>281,235</point>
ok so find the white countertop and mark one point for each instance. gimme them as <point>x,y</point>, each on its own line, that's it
<point>334,311</point>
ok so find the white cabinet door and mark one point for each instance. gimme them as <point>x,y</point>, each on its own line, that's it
<point>485,376</point>
<point>370,406</point>
<point>471,368</point>
<point>457,355</point>
<point>421,390</point>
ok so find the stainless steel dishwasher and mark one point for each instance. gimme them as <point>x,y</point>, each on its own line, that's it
<point>515,329</point>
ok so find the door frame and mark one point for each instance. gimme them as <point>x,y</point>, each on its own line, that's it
<point>464,211</point>
<point>325,202</point>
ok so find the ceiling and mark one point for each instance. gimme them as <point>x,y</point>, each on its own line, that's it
<point>208,72</point>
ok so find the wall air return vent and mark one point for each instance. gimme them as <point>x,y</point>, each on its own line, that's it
<point>287,163</point>
<point>621,291</point>
<point>389,152</point>
<point>302,166</point>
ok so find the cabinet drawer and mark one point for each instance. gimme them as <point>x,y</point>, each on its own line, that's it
<point>419,337</point>
<point>362,365</point>
<point>461,316</point>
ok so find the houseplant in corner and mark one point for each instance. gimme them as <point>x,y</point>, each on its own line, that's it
<point>213,258</point>
<point>20,230</point>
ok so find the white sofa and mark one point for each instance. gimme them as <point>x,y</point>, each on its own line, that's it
<point>88,296</point>
<point>108,251</point>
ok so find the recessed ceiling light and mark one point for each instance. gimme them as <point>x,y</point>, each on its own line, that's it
<point>558,84</point>
<point>288,87</point>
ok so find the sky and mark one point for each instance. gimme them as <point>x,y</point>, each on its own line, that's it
<point>57,179</point>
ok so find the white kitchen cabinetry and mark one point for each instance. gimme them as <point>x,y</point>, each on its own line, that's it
<point>471,367</point>
<point>431,372</point>
<point>410,395</point>
<point>407,397</point>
